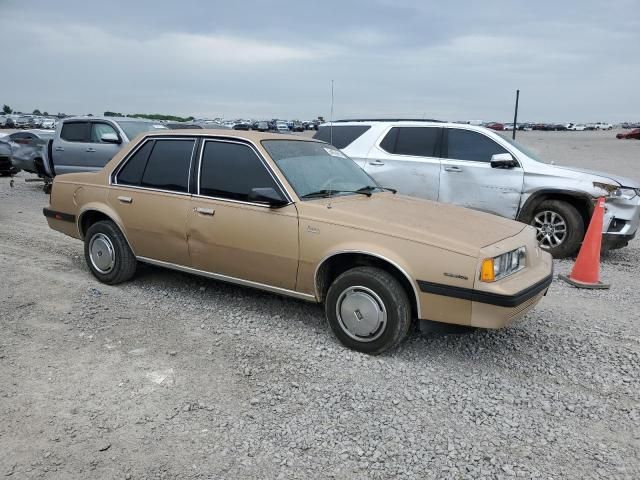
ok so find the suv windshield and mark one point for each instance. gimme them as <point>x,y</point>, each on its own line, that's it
<point>528,152</point>
<point>132,129</point>
<point>315,169</point>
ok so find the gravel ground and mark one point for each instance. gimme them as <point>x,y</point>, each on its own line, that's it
<point>174,376</point>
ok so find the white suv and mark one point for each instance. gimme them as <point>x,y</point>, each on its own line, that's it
<point>477,168</point>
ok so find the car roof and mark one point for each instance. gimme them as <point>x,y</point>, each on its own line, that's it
<point>115,119</point>
<point>252,136</point>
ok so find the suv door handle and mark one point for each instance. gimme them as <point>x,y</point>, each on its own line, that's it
<point>452,169</point>
<point>205,211</point>
<point>90,150</point>
<point>125,199</point>
<point>59,149</point>
<point>376,163</point>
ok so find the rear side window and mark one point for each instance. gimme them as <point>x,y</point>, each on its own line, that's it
<point>416,141</point>
<point>472,146</point>
<point>342,135</point>
<point>168,165</point>
<point>131,173</point>
<point>75,131</point>
<point>231,170</point>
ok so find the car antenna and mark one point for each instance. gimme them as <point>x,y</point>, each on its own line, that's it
<point>331,117</point>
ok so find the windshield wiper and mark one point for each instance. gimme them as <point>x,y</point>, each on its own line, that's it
<point>328,193</point>
<point>371,188</point>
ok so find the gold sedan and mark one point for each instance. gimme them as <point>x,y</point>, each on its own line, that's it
<point>296,217</point>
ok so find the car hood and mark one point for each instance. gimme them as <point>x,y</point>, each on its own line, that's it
<point>623,181</point>
<point>441,225</point>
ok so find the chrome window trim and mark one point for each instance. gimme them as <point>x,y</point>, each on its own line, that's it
<point>113,178</point>
<point>229,279</point>
<point>250,145</point>
<point>381,257</point>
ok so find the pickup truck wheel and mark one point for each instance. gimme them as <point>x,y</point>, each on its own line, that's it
<point>560,228</point>
<point>107,253</point>
<point>368,310</point>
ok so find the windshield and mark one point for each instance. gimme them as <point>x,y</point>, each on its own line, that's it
<point>133,129</point>
<point>314,167</point>
<point>527,151</point>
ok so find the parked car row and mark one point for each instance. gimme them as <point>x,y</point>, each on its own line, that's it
<point>556,127</point>
<point>27,121</point>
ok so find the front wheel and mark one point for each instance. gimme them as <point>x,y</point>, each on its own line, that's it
<point>368,310</point>
<point>107,253</point>
<point>559,226</point>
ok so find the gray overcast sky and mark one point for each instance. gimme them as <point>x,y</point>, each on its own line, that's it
<point>572,60</point>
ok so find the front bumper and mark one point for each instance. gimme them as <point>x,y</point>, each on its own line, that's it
<point>621,219</point>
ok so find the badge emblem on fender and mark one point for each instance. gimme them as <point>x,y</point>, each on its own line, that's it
<point>312,229</point>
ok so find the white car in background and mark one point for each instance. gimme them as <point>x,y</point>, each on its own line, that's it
<point>576,127</point>
<point>603,126</point>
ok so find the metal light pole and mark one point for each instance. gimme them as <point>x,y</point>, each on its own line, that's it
<point>515,115</point>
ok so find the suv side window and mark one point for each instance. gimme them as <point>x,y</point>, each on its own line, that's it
<point>75,132</point>
<point>472,146</point>
<point>231,170</point>
<point>340,136</point>
<point>131,173</point>
<point>168,165</point>
<point>416,141</point>
<point>99,129</point>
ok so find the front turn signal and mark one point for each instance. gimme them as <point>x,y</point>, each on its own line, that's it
<point>487,273</point>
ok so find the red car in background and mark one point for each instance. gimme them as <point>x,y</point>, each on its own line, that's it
<point>495,126</point>
<point>635,133</point>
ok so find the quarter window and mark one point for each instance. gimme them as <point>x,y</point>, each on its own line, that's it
<point>472,146</point>
<point>168,165</point>
<point>99,129</point>
<point>231,170</point>
<point>416,141</point>
<point>131,173</point>
<point>75,131</point>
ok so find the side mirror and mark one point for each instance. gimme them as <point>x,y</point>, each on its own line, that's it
<point>110,138</point>
<point>503,160</point>
<point>267,195</point>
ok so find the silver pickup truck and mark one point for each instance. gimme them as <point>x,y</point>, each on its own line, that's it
<point>477,168</point>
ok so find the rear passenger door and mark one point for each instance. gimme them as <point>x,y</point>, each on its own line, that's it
<point>150,193</point>
<point>406,158</point>
<point>69,150</point>
<point>98,152</point>
<point>467,178</point>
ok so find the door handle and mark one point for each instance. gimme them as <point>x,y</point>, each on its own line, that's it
<point>452,169</point>
<point>125,199</point>
<point>205,211</point>
<point>376,163</point>
<point>90,150</point>
<point>59,149</point>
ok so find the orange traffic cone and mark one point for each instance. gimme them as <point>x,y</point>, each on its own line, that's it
<point>586,271</point>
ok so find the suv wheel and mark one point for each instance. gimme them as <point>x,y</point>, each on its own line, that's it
<point>107,253</point>
<point>368,310</point>
<point>560,227</point>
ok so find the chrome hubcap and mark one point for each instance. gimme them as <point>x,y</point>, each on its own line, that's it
<point>101,253</point>
<point>551,227</point>
<point>361,314</point>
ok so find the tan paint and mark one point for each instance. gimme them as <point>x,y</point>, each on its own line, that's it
<point>283,248</point>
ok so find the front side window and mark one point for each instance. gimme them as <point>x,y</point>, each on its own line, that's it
<point>99,129</point>
<point>168,165</point>
<point>415,141</point>
<point>472,146</point>
<point>315,168</point>
<point>75,131</point>
<point>231,170</point>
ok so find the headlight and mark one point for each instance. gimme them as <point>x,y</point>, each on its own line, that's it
<point>624,193</point>
<point>503,265</point>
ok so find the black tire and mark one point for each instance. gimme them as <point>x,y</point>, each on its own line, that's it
<point>395,302</point>
<point>124,261</point>
<point>574,227</point>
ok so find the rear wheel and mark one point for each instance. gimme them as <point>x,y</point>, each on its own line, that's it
<point>559,226</point>
<point>368,310</point>
<point>107,253</point>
